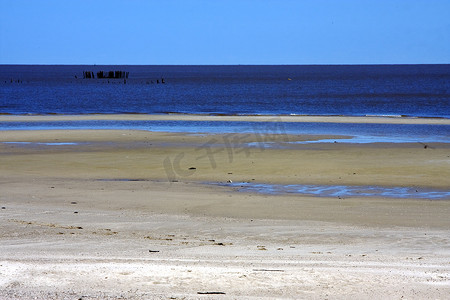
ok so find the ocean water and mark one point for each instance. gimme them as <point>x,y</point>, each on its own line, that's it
<point>395,90</point>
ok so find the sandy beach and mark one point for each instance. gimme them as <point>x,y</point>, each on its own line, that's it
<point>126,214</point>
<point>250,118</point>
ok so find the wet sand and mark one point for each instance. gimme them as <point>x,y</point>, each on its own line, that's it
<point>125,214</point>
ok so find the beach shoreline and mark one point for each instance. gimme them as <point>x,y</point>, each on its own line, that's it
<point>126,213</point>
<point>239,157</point>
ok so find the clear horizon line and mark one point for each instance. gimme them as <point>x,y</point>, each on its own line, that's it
<point>318,64</point>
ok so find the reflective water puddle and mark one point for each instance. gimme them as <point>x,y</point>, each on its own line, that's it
<point>342,190</point>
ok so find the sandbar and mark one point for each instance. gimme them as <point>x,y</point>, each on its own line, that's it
<point>229,118</point>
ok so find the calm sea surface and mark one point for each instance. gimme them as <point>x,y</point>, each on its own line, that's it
<point>394,90</point>
<point>410,90</point>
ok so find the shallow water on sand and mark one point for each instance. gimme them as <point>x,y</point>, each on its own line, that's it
<point>342,191</point>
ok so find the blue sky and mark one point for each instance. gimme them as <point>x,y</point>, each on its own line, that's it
<point>224,32</point>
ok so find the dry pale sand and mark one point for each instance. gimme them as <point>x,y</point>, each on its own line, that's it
<point>251,118</point>
<point>75,226</point>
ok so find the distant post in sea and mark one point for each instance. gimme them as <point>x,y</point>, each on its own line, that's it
<point>106,75</point>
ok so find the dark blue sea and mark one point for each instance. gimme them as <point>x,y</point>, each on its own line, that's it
<point>367,90</point>
<point>408,90</point>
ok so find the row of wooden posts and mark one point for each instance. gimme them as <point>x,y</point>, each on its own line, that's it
<point>107,75</point>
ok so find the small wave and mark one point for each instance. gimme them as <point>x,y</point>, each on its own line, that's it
<point>389,116</point>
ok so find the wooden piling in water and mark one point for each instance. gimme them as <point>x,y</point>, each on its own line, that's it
<point>118,74</point>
